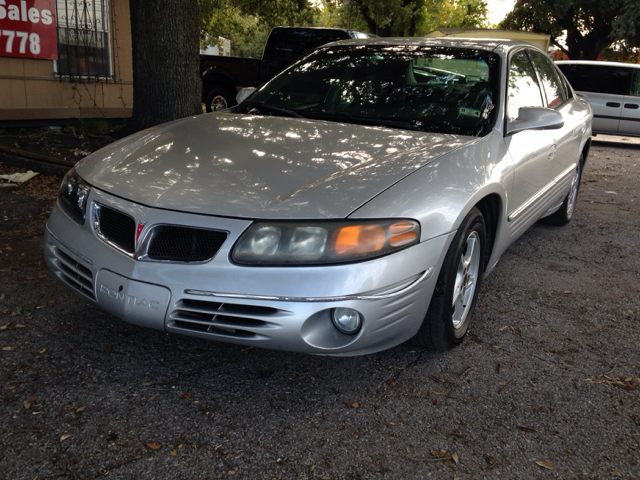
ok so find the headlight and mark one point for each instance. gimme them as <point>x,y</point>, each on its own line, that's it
<point>73,196</point>
<point>319,243</point>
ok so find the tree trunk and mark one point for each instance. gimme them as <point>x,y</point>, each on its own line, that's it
<point>166,84</point>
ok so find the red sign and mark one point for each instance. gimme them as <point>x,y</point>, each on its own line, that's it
<point>28,29</point>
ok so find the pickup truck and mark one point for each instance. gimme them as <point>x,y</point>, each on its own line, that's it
<point>222,77</point>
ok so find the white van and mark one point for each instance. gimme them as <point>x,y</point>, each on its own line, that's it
<point>612,89</point>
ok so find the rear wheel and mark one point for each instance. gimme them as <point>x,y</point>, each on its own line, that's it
<point>219,99</point>
<point>565,213</point>
<point>454,299</point>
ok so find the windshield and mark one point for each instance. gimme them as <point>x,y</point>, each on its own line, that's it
<point>433,89</point>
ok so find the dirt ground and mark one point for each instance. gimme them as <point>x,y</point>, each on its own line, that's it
<point>545,386</point>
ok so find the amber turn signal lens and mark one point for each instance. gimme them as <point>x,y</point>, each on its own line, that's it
<point>402,239</point>
<point>359,239</point>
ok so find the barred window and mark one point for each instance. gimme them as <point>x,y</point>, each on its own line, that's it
<point>83,39</point>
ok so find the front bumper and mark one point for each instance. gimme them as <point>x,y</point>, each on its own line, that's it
<point>284,308</point>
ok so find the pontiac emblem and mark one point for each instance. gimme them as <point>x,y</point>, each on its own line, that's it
<point>139,231</point>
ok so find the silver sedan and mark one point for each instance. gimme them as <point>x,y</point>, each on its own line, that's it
<point>352,203</point>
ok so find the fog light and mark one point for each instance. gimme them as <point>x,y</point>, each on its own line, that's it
<point>346,320</point>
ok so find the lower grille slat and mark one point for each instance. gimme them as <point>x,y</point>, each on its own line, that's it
<point>231,320</point>
<point>71,272</point>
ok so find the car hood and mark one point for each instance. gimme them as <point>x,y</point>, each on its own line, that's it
<point>261,167</point>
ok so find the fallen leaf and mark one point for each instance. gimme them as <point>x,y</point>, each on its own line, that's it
<point>355,435</point>
<point>449,463</point>
<point>64,437</point>
<point>79,409</point>
<point>436,393</point>
<point>109,349</point>
<point>186,395</point>
<point>173,452</point>
<point>454,455</point>
<point>8,348</point>
<point>145,384</point>
<point>351,404</point>
<point>616,473</point>
<point>527,429</point>
<point>546,464</point>
<point>154,396</point>
<point>434,401</point>
<point>154,446</point>
<point>439,453</point>
<point>42,350</point>
<point>64,327</point>
<point>312,468</point>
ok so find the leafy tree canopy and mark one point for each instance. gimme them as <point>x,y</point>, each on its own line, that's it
<point>404,18</point>
<point>590,25</point>
<point>248,22</point>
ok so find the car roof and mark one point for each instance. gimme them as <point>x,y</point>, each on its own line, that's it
<point>489,44</point>
<point>597,62</point>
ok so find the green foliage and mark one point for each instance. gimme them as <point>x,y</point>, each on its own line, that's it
<point>591,25</point>
<point>247,22</point>
<point>404,18</point>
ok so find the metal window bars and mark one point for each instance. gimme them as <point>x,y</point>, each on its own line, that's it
<point>84,52</point>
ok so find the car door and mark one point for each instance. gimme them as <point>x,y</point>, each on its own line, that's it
<point>630,119</point>
<point>568,138</point>
<point>530,150</point>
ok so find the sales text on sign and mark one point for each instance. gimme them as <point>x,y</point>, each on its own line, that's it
<point>28,29</point>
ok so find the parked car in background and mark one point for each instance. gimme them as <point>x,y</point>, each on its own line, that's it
<point>223,76</point>
<point>612,89</point>
<point>351,203</point>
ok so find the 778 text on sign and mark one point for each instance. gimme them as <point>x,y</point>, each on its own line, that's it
<point>28,29</point>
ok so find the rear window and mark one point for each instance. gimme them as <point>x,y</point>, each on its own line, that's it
<point>598,78</point>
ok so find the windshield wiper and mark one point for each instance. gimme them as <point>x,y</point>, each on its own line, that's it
<point>373,121</point>
<point>271,108</point>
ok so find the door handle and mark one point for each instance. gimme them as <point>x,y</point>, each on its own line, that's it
<point>552,151</point>
<point>613,104</point>
<point>633,106</point>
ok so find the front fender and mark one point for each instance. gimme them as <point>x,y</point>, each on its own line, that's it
<point>440,194</point>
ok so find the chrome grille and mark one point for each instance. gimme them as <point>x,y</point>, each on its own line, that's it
<point>231,320</point>
<point>72,273</point>
<point>184,244</point>
<point>117,228</point>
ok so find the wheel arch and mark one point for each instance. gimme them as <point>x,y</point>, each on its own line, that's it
<point>491,207</point>
<point>585,151</point>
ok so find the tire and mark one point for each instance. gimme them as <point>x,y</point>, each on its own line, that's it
<point>568,208</point>
<point>456,293</point>
<point>219,99</point>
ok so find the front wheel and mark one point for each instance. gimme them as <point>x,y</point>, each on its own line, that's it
<point>219,99</point>
<point>454,298</point>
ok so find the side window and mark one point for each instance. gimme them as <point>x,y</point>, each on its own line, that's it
<point>598,78</point>
<point>523,90</point>
<point>553,88</point>
<point>635,88</point>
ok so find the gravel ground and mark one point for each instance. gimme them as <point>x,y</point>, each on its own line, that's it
<point>545,386</point>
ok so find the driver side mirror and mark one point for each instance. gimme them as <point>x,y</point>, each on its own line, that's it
<point>535,118</point>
